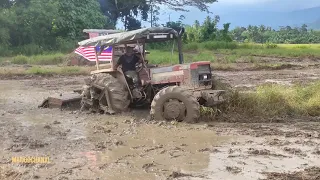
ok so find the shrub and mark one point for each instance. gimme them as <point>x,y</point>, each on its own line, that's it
<point>191,46</point>
<point>277,100</point>
<point>28,50</point>
<point>270,45</point>
<point>39,71</point>
<point>5,51</point>
<point>65,45</point>
<point>20,60</point>
<point>48,59</point>
<point>212,45</point>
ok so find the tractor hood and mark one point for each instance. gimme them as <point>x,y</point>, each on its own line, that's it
<point>132,37</point>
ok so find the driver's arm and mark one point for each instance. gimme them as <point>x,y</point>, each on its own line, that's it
<point>140,60</point>
<point>118,63</point>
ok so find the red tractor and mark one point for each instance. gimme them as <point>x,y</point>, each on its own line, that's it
<point>174,92</point>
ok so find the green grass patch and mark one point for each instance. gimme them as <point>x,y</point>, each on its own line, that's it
<point>203,56</point>
<point>276,66</point>
<point>223,67</point>
<point>20,60</point>
<point>213,45</point>
<point>163,57</point>
<point>278,52</point>
<point>191,46</point>
<point>47,59</point>
<point>45,70</point>
<point>300,46</point>
<point>278,100</point>
<point>41,70</point>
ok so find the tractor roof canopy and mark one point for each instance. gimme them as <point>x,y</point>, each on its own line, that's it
<point>155,34</point>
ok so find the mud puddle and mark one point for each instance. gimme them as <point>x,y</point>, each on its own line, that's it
<point>253,159</point>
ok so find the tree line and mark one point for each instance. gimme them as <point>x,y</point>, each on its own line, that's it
<point>209,31</point>
<point>35,26</point>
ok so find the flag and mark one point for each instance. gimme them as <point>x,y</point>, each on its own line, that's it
<point>89,53</point>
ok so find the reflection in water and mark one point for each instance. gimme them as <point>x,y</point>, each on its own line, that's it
<point>252,166</point>
<point>152,151</point>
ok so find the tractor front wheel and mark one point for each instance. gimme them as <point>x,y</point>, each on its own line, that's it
<point>175,103</point>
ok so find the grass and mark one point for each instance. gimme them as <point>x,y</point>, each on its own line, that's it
<point>162,57</point>
<point>47,59</point>
<point>278,52</point>
<point>206,51</point>
<point>232,52</point>
<point>275,66</point>
<point>45,70</point>
<point>278,100</point>
<point>37,70</point>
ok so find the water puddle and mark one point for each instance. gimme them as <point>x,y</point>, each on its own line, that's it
<point>150,152</point>
<point>249,161</point>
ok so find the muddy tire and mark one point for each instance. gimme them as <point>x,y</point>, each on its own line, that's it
<point>175,103</point>
<point>119,95</point>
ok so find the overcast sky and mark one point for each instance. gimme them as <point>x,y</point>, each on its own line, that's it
<point>228,6</point>
<point>223,7</point>
<point>277,5</point>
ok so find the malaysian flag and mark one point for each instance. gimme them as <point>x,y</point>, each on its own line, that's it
<point>89,53</point>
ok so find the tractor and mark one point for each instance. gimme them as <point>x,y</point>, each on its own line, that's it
<point>171,92</point>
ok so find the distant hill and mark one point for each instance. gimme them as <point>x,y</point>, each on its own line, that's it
<point>315,25</point>
<point>309,16</point>
<point>255,15</point>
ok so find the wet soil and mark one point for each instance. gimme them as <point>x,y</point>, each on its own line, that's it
<point>293,71</point>
<point>248,80</point>
<point>128,146</point>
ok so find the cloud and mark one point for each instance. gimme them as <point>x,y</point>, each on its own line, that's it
<point>292,3</point>
<point>229,2</point>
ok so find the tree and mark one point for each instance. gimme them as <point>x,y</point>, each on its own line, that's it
<point>132,23</point>
<point>224,33</point>
<point>119,9</point>
<point>237,34</point>
<point>10,3</point>
<point>75,15</point>
<point>180,5</point>
<point>5,27</point>
<point>35,26</point>
<point>304,28</point>
<point>155,12</point>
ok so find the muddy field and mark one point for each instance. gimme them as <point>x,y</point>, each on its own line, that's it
<point>92,146</point>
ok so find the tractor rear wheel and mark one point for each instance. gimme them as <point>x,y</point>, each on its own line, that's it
<point>175,103</point>
<point>118,92</point>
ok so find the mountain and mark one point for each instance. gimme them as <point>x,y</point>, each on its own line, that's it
<point>273,19</point>
<point>315,25</point>
<point>274,13</point>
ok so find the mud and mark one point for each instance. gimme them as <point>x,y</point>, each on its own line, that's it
<point>129,146</point>
<point>309,173</point>
<point>248,80</point>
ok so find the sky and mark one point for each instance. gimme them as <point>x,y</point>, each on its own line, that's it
<point>224,7</point>
<point>274,5</point>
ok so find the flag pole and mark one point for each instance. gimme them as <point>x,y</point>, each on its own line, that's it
<point>97,58</point>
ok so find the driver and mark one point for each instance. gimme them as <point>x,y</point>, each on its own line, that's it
<point>128,62</point>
